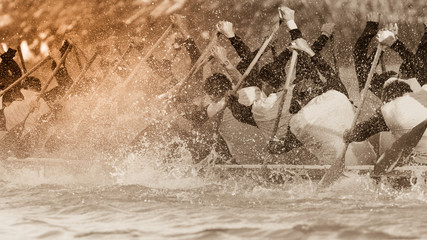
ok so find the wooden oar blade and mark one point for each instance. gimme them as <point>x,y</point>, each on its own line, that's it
<point>400,149</point>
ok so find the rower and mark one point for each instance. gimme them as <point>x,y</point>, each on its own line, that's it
<point>19,111</point>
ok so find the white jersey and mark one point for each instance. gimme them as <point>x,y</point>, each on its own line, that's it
<point>404,113</point>
<point>321,123</point>
<point>265,109</point>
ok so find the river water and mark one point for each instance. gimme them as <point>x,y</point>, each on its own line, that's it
<point>136,198</point>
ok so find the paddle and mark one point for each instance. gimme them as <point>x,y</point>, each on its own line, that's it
<point>383,68</point>
<point>400,149</point>
<point>76,54</point>
<point>285,91</point>
<point>337,168</point>
<point>44,88</point>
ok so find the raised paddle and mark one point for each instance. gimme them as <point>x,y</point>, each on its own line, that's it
<point>337,168</point>
<point>334,55</point>
<point>400,149</point>
<point>76,54</point>
<point>21,57</point>
<point>285,91</point>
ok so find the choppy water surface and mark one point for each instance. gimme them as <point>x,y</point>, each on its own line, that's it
<point>142,201</point>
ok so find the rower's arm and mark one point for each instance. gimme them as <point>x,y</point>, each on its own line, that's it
<point>362,61</point>
<point>421,58</point>
<point>327,31</point>
<point>242,49</point>
<point>363,131</point>
<point>192,49</point>
<point>241,112</point>
<point>409,61</point>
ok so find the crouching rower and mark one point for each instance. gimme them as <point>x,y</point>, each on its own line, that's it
<point>234,124</point>
<point>405,107</point>
<point>322,112</point>
<point>22,119</point>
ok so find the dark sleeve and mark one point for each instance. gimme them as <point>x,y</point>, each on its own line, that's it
<point>295,34</point>
<point>283,58</point>
<point>295,105</point>
<point>246,56</point>
<point>15,69</point>
<point>284,145</point>
<point>333,82</point>
<point>408,58</point>
<point>304,68</point>
<point>241,112</point>
<point>374,125</point>
<point>192,49</point>
<point>320,43</point>
<point>421,58</point>
<point>242,49</point>
<point>362,60</point>
<point>277,67</point>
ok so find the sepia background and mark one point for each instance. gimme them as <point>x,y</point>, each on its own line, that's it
<point>45,23</point>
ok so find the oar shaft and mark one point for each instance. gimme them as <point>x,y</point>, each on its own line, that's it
<point>195,68</point>
<point>256,58</point>
<point>382,62</point>
<point>363,97</point>
<point>338,166</point>
<point>79,78</point>
<point>143,60</point>
<point>334,57</point>
<point>76,54</point>
<point>21,57</point>
<point>285,90</point>
<point>58,66</point>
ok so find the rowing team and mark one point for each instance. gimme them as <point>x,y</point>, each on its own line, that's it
<point>259,114</point>
<point>315,115</point>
